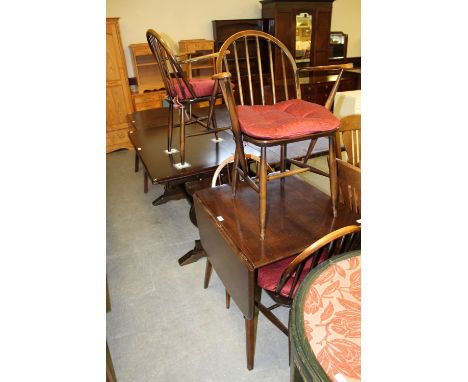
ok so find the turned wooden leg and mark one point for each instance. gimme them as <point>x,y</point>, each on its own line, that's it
<point>208,270</point>
<point>170,127</point>
<point>333,175</point>
<point>145,182</point>
<point>228,300</point>
<point>282,158</point>
<point>182,135</point>
<point>235,175</point>
<point>251,334</point>
<point>262,181</point>
<point>137,162</point>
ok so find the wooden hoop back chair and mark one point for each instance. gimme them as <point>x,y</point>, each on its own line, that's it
<point>281,280</point>
<point>349,135</point>
<point>183,92</point>
<point>266,109</point>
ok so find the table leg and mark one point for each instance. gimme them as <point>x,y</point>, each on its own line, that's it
<point>137,162</point>
<point>193,255</point>
<point>145,182</point>
<point>250,337</point>
<point>251,325</point>
<point>171,192</point>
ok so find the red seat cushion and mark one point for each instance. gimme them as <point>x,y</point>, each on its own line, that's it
<point>287,119</point>
<point>269,276</point>
<point>202,87</point>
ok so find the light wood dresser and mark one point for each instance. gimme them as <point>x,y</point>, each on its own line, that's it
<point>118,98</point>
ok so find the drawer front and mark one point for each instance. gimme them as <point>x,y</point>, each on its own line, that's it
<point>148,100</point>
<point>117,139</point>
<point>148,105</point>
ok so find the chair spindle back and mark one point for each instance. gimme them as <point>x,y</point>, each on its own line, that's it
<point>171,71</point>
<point>340,241</point>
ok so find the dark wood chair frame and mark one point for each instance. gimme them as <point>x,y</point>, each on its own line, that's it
<point>223,75</point>
<point>171,69</point>
<point>343,240</point>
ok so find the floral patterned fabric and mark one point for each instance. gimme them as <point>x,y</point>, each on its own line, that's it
<point>332,319</point>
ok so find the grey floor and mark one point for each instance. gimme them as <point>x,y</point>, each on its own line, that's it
<point>163,325</point>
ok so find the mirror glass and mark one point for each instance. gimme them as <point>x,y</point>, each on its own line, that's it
<point>303,35</point>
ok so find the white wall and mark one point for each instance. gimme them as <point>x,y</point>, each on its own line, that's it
<point>187,19</point>
<point>346,17</point>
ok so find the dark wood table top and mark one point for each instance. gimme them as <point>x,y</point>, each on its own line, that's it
<point>149,137</point>
<point>297,215</point>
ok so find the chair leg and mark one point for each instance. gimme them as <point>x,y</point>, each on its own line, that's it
<point>211,110</point>
<point>145,182</point>
<point>282,158</point>
<point>235,175</point>
<point>333,175</point>
<point>170,127</point>
<point>228,300</point>
<point>208,270</point>
<point>182,135</point>
<point>262,181</point>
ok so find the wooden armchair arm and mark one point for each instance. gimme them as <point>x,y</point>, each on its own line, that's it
<point>325,67</point>
<point>221,76</point>
<point>198,58</point>
<point>311,249</point>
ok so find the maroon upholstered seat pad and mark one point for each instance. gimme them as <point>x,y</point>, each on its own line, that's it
<point>287,119</point>
<point>201,86</point>
<point>269,276</point>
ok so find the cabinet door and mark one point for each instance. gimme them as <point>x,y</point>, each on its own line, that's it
<point>321,36</point>
<point>117,108</point>
<point>118,99</point>
<point>114,70</point>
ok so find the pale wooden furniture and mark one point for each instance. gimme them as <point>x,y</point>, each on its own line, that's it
<point>150,85</point>
<point>183,93</point>
<point>266,109</point>
<point>118,98</point>
<point>349,136</point>
<point>195,48</point>
<point>349,185</point>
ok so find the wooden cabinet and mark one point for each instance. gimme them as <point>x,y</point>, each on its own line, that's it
<point>316,88</point>
<point>222,29</point>
<point>284,14</point>
<point>118,98</point>
<point>150,85</point>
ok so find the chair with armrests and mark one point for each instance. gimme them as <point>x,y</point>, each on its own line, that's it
<point>183,92</point>
<point>349,185</point>
<point>266,109</point>
<point>281,280</point>
<point>349,136</point>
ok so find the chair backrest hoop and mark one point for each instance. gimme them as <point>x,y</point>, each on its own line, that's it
<point>336,242</point>
<point>166,59</point>
<point>225,49</point>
